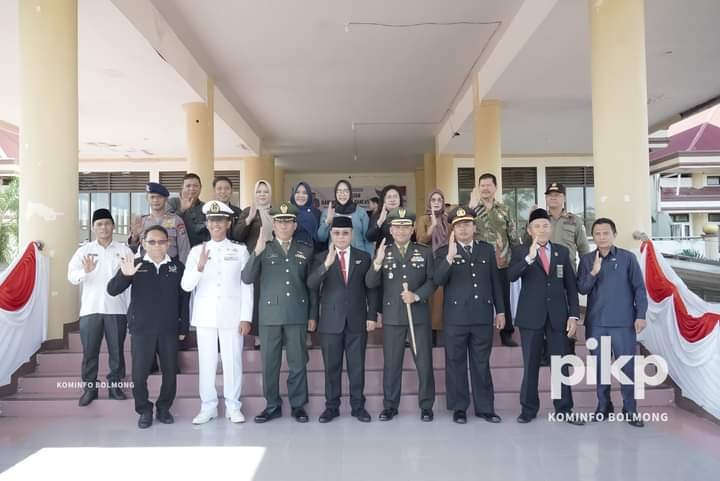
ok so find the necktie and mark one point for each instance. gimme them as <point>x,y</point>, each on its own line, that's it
<point>468,249</point>
<point>285,246</point>
<point>544,258</point>
<point>402,250</point>
<point>343,265</point>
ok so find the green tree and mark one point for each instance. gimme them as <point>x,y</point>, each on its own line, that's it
<point>9,205</point>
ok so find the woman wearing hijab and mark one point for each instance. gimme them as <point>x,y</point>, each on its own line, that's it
<point>379,228</point>
<point>433,230</point>
<point>250,223</point>
<point>345,206</point>
<point>308,218</point>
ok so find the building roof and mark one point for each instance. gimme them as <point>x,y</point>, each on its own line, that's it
<point>696,135</point>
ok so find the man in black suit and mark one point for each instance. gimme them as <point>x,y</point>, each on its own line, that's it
<point>348,311</point>
<point>473,302</point>
<point>548,307</point>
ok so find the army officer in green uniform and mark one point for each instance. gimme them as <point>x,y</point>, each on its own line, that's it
<point>405,262</point>
<point>287,310</point>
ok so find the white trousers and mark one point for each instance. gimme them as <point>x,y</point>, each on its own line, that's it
<point>231,349</point>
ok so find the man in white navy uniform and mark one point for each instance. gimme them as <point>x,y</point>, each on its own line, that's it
<point>221,310</point>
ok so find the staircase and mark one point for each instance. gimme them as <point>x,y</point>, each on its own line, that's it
<point>53,388</point>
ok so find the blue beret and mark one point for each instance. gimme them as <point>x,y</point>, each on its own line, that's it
<point>156,188</point>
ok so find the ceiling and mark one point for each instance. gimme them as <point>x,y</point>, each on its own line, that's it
<point>130,100</point>
<point>328,91</point>
<point>546,90</point>
<point>305,80</point>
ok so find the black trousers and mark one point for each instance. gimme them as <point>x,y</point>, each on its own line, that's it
<point>92,329</point>
<point>352,346</point>
<point>294,337</point>
<point>143,353</point>
<point>475,340</point>
<point>505,286</point>
<point>532,345</point>
<point>394,353</point>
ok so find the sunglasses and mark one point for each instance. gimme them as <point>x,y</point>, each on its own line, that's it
<point>157,242</point>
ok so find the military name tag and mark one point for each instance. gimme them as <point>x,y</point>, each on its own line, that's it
<point>560,271</point>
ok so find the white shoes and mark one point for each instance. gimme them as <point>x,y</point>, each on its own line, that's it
<point>205,416</point>
<point>235,416</point>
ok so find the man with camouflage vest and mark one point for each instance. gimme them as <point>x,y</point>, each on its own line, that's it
<point>494,225</point>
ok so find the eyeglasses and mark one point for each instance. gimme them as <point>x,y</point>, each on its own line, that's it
<point>157,242</point>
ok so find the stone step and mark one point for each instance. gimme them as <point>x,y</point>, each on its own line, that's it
<point>185,408</point>
<point>375,338</point>
<point>504,379</point>
<point>63,362</point>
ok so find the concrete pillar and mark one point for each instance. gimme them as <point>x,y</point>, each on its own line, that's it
<point>488,139</point>
<point>430,174</point>
<point>419,191</point>
<point>278,181</point>
<point>200,143</point>
<point>254,169</point>
<point>49,144</point>
<point>620,118</point>
<point>446,177</point>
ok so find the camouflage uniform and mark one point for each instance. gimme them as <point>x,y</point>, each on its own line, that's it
<point>497,228</point>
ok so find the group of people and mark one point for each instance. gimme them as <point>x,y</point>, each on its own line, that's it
<point>279,272</point>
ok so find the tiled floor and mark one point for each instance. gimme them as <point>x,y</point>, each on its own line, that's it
<point>684,447</point>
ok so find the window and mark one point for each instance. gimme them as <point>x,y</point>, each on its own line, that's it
<point>580,196</point>
<point>680,226</point>
<point>123,193</point>
<point>714,217</point>
<point>712,180</point>
<point>466,183</point>
<point>519,191</point>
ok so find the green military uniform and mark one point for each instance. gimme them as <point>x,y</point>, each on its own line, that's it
<point>285,306</point>
<point>414,267</point>
<point>497,227</point>
<point>194,221</point>
<point>567,230</point>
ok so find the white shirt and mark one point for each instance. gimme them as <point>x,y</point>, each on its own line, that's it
<point>167,259</point>
<point>95,299</point>
<point>219,297</point>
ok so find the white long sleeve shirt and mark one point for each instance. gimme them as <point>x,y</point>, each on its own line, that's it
<point>220,298</point>
<point>95,299</point>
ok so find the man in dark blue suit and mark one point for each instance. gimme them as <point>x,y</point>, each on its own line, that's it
<point>616,307</point>
<point>548,307</point>
<point>348,311</point>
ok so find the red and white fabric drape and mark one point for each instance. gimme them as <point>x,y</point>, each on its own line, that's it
<point>683,329</point>
<point>23,309</point>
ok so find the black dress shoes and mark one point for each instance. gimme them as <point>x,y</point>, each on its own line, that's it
<point>268,415</point>
<point>426,415</point>
<point>459,417</point>
<point>145,420</point>
<point>88,396</point>
<point>633,419</point>
<point>300,415</point>
<point>573,419</point>
<point>489,417</point>
<point>524,418</point>
<point>328,415</point>
<point>116,393</point>
<point>507,340</point>
<point>388,414</point>
<point>164,417</point>
<point>362,415</point>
